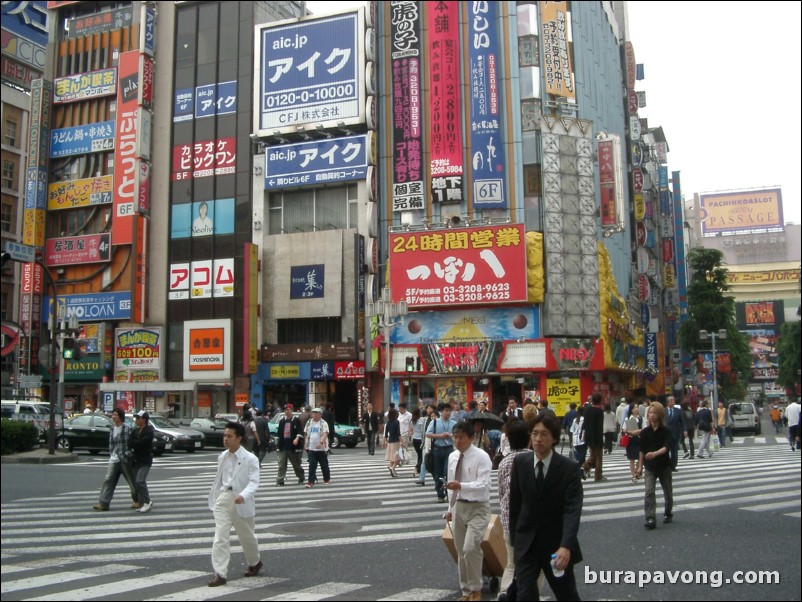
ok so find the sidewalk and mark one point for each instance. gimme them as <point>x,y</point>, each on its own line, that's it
<point>40,456</point>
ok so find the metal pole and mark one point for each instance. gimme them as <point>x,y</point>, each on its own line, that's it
<point>387,360</point>
<point>51,435</point>
<point>715,371</point>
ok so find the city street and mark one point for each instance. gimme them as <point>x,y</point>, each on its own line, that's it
<point>368,536</point>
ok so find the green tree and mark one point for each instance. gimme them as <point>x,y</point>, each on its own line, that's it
<point>711,310</point>
<point>789,352</point>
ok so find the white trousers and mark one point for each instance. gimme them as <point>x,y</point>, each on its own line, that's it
<point>470,524</point>
<point>225,517</point>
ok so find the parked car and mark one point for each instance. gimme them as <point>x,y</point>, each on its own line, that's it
<point>182,438</point>
<point>212,429</point>
<point>91,432</point>
<point>745,416</point>
<point>344,434</point>
<point>37,412</point>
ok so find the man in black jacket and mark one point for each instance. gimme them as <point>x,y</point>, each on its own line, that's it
<point>593,429</point>
<point>290,445</point>
<point>545,510</point>
<point>141,443</point>
<point>675,423</point>
<point>371,422</point>
<point>328,416</point>
<point>263,432</point>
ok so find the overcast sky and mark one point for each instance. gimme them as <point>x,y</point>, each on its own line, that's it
<point>723,80</point>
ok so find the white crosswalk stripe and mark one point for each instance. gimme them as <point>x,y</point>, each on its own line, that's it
<point>361,506</point>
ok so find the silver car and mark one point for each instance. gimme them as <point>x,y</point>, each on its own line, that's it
<point>182,438</point>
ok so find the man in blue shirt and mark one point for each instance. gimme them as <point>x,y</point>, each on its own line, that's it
<point>439,432</point>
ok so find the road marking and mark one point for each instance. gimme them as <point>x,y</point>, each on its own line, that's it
<point>319,592</point>
<point>51,578</point>
<point>773,506</point>
<point>121,587</point>
<point>420,594</point>
<point>232,587</point>
<point>795,514</point>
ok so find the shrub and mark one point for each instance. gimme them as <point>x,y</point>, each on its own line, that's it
<point>17,436</point>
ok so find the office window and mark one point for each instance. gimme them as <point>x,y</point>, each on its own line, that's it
<point>9,181</point>
<point>10,133</point>
<point>312,210</point>
<point>6,217</point>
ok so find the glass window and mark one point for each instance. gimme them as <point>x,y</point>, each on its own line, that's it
<point>7,217</point>
<point>312,210</point>
<point>8,174</point>
<point>10,133</point>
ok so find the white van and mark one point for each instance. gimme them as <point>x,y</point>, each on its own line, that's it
<point>745,416</point>
<point>37,412</point>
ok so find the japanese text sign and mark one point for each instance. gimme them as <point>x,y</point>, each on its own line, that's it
<point>70,250</point>
<point>81,139</point>
<point>309,72</point>
<point>459,267</point>
<point>204,159</point>
<point>556,54</point>
<point>321,161</point>
<point>79,193</point>
<point>85,85</point>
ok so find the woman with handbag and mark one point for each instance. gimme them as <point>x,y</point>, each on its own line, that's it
<point>704,422</point>
<point>631,432</point>
<point>417,438</point>
<point>392,441</point>
<point>426,449</point>
<point>580,447</point>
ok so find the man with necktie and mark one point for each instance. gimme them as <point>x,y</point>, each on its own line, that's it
<point>675,421</point>
<point>469,506</point>
<point>545,509</point>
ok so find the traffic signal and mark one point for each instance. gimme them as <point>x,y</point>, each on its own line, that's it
<point>410,363</point>
<point>68,349</point>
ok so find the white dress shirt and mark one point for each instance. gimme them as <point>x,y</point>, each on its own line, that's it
<point>546,463</point>
<point>475,476</point>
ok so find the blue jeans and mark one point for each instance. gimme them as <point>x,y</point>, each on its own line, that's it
<point>441,468</point>
<point>140,482</point>
<point>318,457</point>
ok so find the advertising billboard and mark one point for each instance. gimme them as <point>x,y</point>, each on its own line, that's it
<point>310,71</point>
<point>468,266</point>
<point>207,349</point>
<point>138,354</point>
<point>321,161</point>
<point>557,67</point>
<point>741,212</point>
<point>202,218</point>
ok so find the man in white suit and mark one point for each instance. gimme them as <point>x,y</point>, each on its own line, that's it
<point>232,501</point>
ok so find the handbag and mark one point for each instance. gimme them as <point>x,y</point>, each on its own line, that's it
<point>715,442</point>
<point>428,462</point>
<point>497,460</point>
<point>624,441</point>
<point>401,455</point>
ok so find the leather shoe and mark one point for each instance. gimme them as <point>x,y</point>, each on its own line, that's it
<point>472,597</point>
<point>217,581</point>
<point>668,519</point>
<point>650,523</point>
<point>254,570</point>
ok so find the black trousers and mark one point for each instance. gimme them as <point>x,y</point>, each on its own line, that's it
<point>527,571</point>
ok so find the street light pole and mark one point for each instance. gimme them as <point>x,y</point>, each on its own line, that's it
<point>390,315</point>
<point>721,334</point>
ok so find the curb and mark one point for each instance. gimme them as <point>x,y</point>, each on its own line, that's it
<point>40,456</point>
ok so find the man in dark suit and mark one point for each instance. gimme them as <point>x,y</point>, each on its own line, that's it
<point>290,445</point>
<point>675,422</point>
<point>593,429</point>
<point>545,510</point>
<point>512,410</point>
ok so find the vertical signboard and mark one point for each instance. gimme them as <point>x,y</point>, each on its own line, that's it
<point>487,160</point>
<point>408,186</point>
<point>125,195</point>
<point>557,69</point>
<point>679,247</point>
<point>250,302</point>
<point>207,349</point>
<point>445,128</point>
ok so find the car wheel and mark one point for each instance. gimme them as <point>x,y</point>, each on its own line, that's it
<point>335,441</point>
<point>63,443</point>
<point>351,445</point>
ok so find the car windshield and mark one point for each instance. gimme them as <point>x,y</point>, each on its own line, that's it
<point>275,419</point>
<point>162,422</point>
<point>743,408</point>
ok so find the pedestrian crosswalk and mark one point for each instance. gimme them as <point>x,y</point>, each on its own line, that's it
<point>57,549</point>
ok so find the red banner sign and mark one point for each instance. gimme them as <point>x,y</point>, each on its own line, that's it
<point>459,267</point>
<point>92,248</point>
<point>204,159</point>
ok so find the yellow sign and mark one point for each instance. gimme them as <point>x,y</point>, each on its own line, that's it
<point>763,276</point>
<point>79,193</point>
<point>741,211</point>
<point>640,207</point>
<point>560,394</point>
<point>557,69</point>
<point>285,371</point>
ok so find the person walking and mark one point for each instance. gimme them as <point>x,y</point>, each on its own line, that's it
<point>608,428</point>
<point>469,483</point>
<point>371,421</point>
<point>142,445</point>
<point>263,433</point>
<point>722,415</point>
<point>232,499</point>
<point>120,457</point>
<point>328,418</point>
<point>517,434</point>
<point>577,439</point>
<point>792,414</point>
<point>392,441</point>
<point>431,415</point>
<point>568,421</point>
<point>545,511</point>
<point>289,445</point>
<point>704,422</point>
<point>655,440</point>
<point>439,431</point>
<point>593,435</point>
<point>316,444</point>
<point>417,439</point>
<point>675,422</point>
<point>776,418</point>
<point>632,428</point>
<point>512,410</point>
<point>251,441</point>
<point>690,427</point>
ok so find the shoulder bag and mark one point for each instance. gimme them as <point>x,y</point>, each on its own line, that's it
<point>428,459</point>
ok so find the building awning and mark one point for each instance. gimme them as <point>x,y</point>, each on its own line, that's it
<point>170,387</point>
